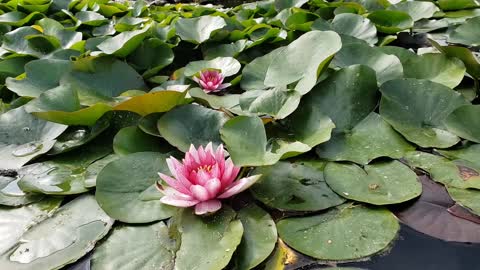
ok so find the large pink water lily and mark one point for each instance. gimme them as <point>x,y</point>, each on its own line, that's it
<point>210,80</point>
<point>202,179</point>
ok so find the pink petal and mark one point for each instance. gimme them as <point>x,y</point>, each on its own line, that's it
<point>173,164</point>
<point>174,183</point>
<point>213,187</point>
<point>177,202</point>
<point>216,171</point>
<point>208,207</point>
<point>203,76</point>
<point>195,79</point>
<point>230,173</point>
<point>219,154</point>
<point>239,186</point>
<point>173,193</point>
<point>202,177</point>
<point>209,148</point>
<point>203,85</point>
<point>194,153</point>
<point>223,86</point>
<point>200,193</point>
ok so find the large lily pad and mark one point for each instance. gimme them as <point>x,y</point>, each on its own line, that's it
<point>259,237</point>
<point>379,183</point>
<point>465,122</point>
<point>61,239</point>
<point>416,9</point>
<point>466,33</point>
<point>294,187</point>
<point>124,43</point>
<point>469,198</point>
<point>191,124</point>
<point>417,109</point>
<point>247,143</point>
<point>198,29</point>
<point>16,221</point>
<point>160,101</point>
<point>470,153</point>
<point>391,21</point>
<point>228,65</point>
<point>153,247</point>
<point>132,139</point>
<point>121,183</point>
<point>24,137</point>
<point>356,26</point>
<point>361,145</point>
<point>151,56</point>
<point>276,102</point>
<point>347,232</point>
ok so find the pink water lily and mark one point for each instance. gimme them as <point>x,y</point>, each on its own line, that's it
<point>202,179</point>
<point>210,80</point>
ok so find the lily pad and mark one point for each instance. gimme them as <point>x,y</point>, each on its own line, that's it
<point>161,101</point>
<point>156,250</point>
<point>417,109</point>
<point>465,33</point>
<point>64,238</point>
<point>228,102</point>
<point>378,183</point>
<point>191,124</point>
<point>391,21</point>
<point>294,187</point>
<point>207,243</point>
<point>246,141</point>
<point>124,43</point>
<point>347,232</point>
<point>228,65</point>
<point>465,123</point>
<point>151,56</point>
<point>16,221</point>
<point>259,237</point>
<point>470,153</point>
<point>276,102</point>
<point>132,139</point>
<point>469,198</point>
<point>121,183</point>
<point>198,30</point>
<point>387,67</point>
<point>416,9</point>
<point>361,145</point>
<point>24,137</point>
<point>356,26</point>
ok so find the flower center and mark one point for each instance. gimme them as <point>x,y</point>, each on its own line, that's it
<point>206,168</point>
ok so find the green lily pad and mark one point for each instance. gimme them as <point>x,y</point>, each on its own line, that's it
<point>471,62</point>
<point>191,124</point>
<point>13,67</point>
<point>90,18</point>
<point>356,26</point>
<point>24,137</point>
<point>391,21</point>
<point>380,183</point>
<point>417,109</point>
<point>347,232</point>
<point>416,9</point>
<point>16,221</point>
<point>228,102</point>
<point>469,198</point>
<point>259,237</point>
<point>132,139</point>
<point>121,183</point>
<point>148,124</point>
<point>294,187</point>
<point>156,250</point>
<point>207,243</point>
<point>62,239</point>
<point>198,30</point>
<point>151,56</point>
<point>457,4</point>
<point>228,65</point>
<point>247,143</point>
<point>470,153</point>
<point>17,18</point>
<point>276,102</point>
<point>387,67</point>
<point>124,43</point>
<point>361,145</point>
<point>465,123</point>
<point>254,73</point>
<point>161,101</point>
<point>95,168</point>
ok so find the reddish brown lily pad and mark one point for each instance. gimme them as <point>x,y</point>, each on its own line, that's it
<point>437,215</point>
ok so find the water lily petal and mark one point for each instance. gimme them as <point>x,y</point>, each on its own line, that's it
<point>200,193</point>
<point>210,206</point>
<point>223,86</point>
<point>177,202</point>
<point>174,183</point>
<point>230,173</point>
<point>213,187</point>
<point>239,186</point>
<point>173,193</point>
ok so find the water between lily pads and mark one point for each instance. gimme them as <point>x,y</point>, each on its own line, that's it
<point>411,251</point>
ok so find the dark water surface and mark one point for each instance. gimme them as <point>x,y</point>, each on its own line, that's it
<point>411,251</point>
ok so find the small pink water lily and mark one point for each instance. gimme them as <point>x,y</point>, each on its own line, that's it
<point>211,80</point>
<point>202,179</point>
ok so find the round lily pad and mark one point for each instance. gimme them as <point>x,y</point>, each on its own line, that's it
<point>121,183</point>
<point>295,187</point>
<point>348,232</point>
<point>469,198</point>
<point>380,183</point>
<point>391,21</point>
<point>465,123</point>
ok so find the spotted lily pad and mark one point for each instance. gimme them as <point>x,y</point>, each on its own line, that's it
<point>465,123</point>
<point>348,232</point>
<point>378,183</point>
<point>294,187</point>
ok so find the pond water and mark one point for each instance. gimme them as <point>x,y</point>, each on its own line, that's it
<point>411,251</point>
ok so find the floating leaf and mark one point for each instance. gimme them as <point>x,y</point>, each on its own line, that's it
<point>152,242</point>
<point>64,238</point>
<point>259,237</point>
<point>198,29</point>
<point>464,122</point>
<point>151,56</point>
<point>124,43</point>
<point>347,232</point>
<point>120,197</point>
<point>379,183</point>
<point>470,153</point>
<point>416,9</point>
<point>17,18</point>
<point>90,18</point>
<point>294,187</point>
<point>417,109</point>
<point>468,198</point>
<point>457,4</point>
<point>356,26</point>
<point>160,101</point>
<point>391,21</point>
<point>276,102</point>
<point>132,139</point>
<point>228,65</point>
<point>191,124</point>
<point>24,137</point>
<point>361,145</point>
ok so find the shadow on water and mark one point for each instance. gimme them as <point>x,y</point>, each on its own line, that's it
<point>411,251</point>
